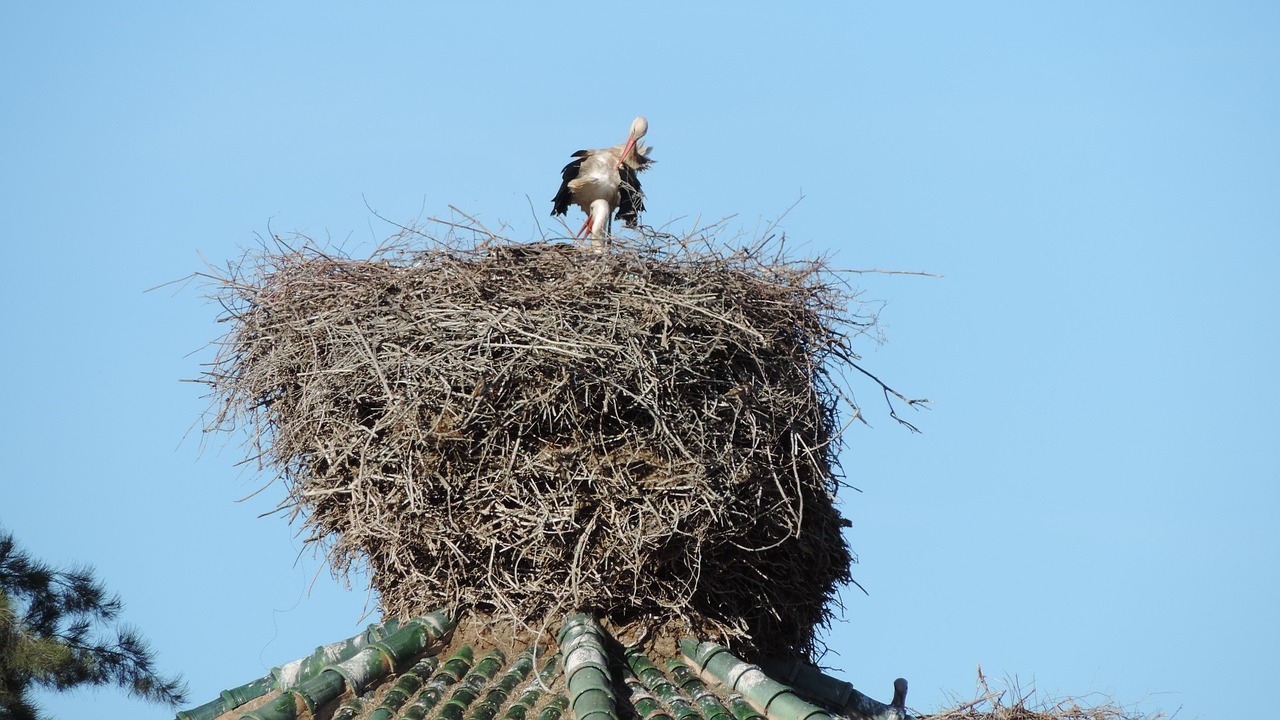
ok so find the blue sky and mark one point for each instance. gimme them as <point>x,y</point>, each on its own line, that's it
<point>1090,504</point>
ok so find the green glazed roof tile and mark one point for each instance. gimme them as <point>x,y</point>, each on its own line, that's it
<point>404,688</point>
<point>350,710</point>
<point>653,680</point>
<point>586,668</point>
<point>708,703</point>
<point>555,709</point>
<point>415,671</point>
<point>471,686</point>
<point>533,692</point>
<point>449,674</point>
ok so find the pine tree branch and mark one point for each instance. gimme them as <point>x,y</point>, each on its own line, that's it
<point>47,636</point>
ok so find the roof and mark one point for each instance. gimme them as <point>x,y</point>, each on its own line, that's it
<point>421,669</point>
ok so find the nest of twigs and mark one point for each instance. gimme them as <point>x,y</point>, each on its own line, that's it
<point>650,433</point>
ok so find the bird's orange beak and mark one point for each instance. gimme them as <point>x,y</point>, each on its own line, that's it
<point>626,150</point>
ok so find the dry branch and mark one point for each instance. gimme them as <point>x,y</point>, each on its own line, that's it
<point>1015,702</point>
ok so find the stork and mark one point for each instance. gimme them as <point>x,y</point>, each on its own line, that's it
<point>604,180</point>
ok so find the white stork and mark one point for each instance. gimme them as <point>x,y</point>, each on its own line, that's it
<point>604,180</point>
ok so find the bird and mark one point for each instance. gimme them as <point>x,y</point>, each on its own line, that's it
<point>604,180</point>
<point>899,702</point>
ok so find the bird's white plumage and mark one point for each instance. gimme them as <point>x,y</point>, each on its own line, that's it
<point>597,189</point>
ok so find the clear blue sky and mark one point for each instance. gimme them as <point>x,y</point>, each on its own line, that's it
<point>1090,506</point>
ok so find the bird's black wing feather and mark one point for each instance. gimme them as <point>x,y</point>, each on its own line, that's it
<point>631,202</point>
<point>564,198</point>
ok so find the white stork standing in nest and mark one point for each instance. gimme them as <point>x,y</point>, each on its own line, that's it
<point>602,181</point>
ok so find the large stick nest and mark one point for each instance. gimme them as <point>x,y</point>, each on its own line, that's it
<point>530,429</point>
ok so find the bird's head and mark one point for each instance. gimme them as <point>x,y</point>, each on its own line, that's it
<point>639,127</point>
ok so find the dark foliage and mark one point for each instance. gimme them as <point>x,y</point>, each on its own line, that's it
<point>53,634</point>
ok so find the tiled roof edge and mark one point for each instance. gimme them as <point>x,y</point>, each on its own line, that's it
<point>323,675</point>
<point>812,681</point>
<point>771,698</point>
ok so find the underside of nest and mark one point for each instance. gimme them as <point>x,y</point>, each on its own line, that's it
<point>533,429</point>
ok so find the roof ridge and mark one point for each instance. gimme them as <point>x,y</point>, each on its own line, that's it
<point>586,668</point>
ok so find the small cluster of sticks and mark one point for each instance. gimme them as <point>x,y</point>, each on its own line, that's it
<point>1016,702</point>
